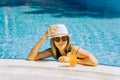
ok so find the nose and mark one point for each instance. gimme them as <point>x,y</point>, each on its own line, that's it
<point>61,41</point>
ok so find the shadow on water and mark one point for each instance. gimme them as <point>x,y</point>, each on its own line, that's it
<point>59,8</point>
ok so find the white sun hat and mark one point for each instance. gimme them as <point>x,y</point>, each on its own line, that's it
<point>60,30</point>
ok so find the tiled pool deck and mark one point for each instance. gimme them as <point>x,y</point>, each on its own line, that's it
<point>15,69</point>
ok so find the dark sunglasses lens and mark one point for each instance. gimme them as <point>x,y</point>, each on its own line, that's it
<point>57,39</point>
<point>64,38</point>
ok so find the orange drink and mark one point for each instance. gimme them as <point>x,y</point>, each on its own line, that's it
<point>72,59</point>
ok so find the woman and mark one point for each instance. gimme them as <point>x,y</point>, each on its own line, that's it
<point>60,46</point>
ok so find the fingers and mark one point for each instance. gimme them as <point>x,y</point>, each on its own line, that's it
<point>61,59</point>
<point>51,29</point>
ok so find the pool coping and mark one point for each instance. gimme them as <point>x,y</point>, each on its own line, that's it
<point>17,69</point>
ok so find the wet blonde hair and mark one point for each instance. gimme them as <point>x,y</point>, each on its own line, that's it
<point>54,48</point>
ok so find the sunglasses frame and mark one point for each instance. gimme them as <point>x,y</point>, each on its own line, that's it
<point>63,38</point>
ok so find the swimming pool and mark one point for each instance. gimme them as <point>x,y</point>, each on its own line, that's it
<point>22,24</point>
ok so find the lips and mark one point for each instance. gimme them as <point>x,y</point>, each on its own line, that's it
<point>61,45</point>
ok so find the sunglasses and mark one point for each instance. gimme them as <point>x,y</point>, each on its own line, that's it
<point>64,38</point>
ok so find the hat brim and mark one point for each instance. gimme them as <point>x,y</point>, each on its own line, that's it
<point>49,37</point>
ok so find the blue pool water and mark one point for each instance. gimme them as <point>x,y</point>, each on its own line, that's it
<point>23,23</point>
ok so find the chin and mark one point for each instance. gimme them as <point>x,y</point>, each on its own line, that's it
<point>61,47</point>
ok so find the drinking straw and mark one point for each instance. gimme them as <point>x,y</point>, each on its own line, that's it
<point>77,51</point>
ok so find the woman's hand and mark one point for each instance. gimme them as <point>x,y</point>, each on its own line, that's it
<point>63,59</point>
<point>51,30</point>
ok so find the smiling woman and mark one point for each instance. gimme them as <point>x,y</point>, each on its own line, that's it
<point>60,46</point>
<point>23,22</point>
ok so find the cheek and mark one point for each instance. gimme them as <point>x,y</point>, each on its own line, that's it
<point>56,44</point>
<point>65,43</point>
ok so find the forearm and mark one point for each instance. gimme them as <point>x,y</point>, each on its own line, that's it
<point>35,49</point>
<point>87,61</point>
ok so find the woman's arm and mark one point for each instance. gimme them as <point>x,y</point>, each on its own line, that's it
<point>84,57</point>
<point>34,54</point>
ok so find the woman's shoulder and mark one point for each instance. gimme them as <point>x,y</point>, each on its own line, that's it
<point>75,48</point>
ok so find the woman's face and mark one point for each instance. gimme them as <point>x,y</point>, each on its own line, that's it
<point>60,41</point>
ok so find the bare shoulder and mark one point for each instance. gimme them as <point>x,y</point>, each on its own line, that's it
<point>75,48</point>
<point>80,51</point>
